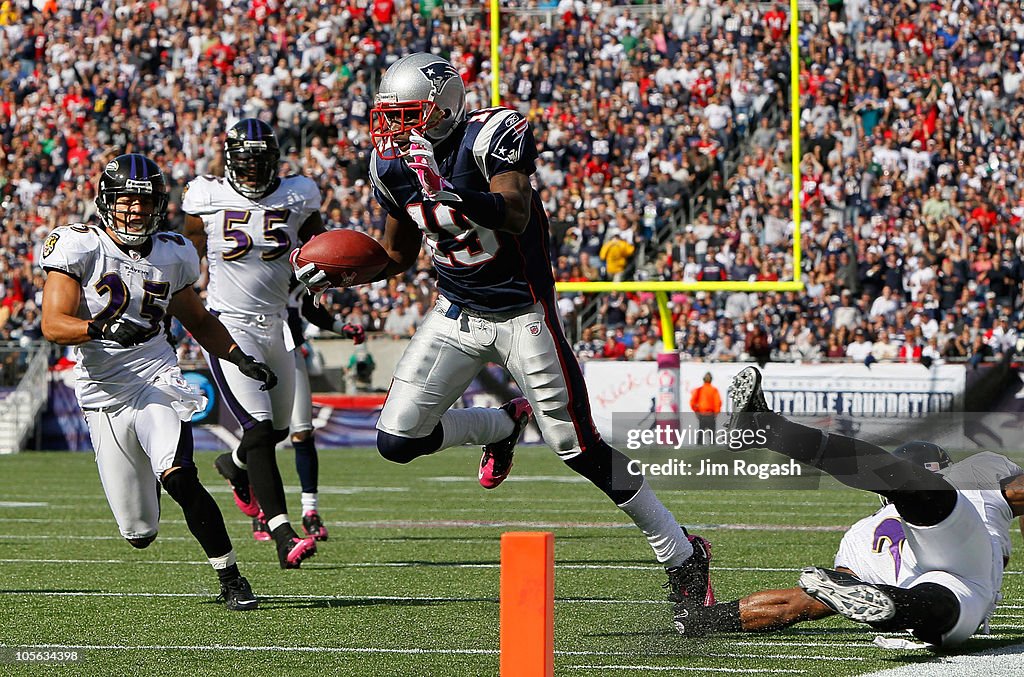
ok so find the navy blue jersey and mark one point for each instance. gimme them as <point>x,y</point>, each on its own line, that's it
<point>477,267</point>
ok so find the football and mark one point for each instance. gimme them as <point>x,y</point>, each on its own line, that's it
<point>349,257</point>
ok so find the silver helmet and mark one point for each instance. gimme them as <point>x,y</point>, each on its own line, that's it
<point>419,93</point>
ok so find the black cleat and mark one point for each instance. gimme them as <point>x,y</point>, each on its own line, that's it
<point>237,595</point>
<point>747,398</point>
<point>689,584</point>
<point>245,497</point>
<point>848,595</point>
<point>496,462</point>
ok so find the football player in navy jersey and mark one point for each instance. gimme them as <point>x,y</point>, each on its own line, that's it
<point>462,179</point>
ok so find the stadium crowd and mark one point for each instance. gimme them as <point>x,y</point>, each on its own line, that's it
<point>645,116</point>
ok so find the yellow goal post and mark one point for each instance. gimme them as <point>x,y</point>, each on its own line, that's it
<point>663,288</point>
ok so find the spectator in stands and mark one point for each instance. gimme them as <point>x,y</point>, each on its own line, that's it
<point>928,204</point>
<point>400,323</point>
<point>706,403</point>
<point>883,350</point>
<point>587,347</point>
<point>861,348</point>
<point>616,253</point>
<point>615,346</point>
<point>649,348</point>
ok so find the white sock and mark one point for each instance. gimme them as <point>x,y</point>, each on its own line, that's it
<point>308,502</point>
<point>662,530</point>
<point>276,521</point>
<point>474,425</point>
<point>223,562</point>
<point>238,461</point>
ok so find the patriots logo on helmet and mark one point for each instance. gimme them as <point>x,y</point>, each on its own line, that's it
<point>439,74</point>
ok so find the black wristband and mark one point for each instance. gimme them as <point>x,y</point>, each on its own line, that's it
<point>95,331</point>
<point>237,357</point>
<point>485,209</point>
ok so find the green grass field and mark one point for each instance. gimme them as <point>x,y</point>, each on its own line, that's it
<point>408,582</point>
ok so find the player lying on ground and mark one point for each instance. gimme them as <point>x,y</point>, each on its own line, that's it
<point>930,561</point>
<point>463,180</point>
<point>107,291</point>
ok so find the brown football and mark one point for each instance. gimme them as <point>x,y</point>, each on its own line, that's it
<point>349,257</point>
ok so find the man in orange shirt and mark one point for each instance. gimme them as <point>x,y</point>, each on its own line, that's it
<point>706,402</point>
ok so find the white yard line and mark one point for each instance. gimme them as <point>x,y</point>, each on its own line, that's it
<point>1006,660</point>
<point>665,668</point>
<point>223,647</point>
<point>376,565</point>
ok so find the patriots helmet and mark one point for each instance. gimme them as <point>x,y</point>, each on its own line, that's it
<point>251,158</point>
<point>419,93</point>
<point>132,175</point>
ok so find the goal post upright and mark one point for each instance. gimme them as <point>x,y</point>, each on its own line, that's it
<point>662,288</point>
<point>495,52</point>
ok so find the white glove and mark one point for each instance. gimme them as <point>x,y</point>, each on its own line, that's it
<point>309,276</point>
<point>434,186</point>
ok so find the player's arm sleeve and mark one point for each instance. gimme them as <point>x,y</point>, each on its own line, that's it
<point>189,266</point>
<point>381,192</point>
<point>70,250</point>
<point>316,315</point>
<point>505,143</point>
<point>195,199</point>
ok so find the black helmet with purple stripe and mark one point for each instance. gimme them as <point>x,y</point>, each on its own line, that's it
<point>132,175</point>
<point>251,158</point>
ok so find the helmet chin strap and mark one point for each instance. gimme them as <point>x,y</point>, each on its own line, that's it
<point>130,239</point>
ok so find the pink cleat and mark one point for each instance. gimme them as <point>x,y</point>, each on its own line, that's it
<point>260,529</point>
<point>245,497</point>
<point>496,462</point>
<point>292,552</point>
<point>314,526</point>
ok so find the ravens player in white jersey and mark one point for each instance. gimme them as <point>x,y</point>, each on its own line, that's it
<point>463,180</point>
<point>246,224</point>
<point>107,291</point>
<point>307,460</point>
<point>930,561</point>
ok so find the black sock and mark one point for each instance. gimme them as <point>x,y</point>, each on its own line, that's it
<point>307,465</point>
<point>853,462</point>
<point>929,610</point>
<point>605,466</point>
<point>202,515</point>
<point>723,617</point>
<point>228,574</point>
<point>264,474</point>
